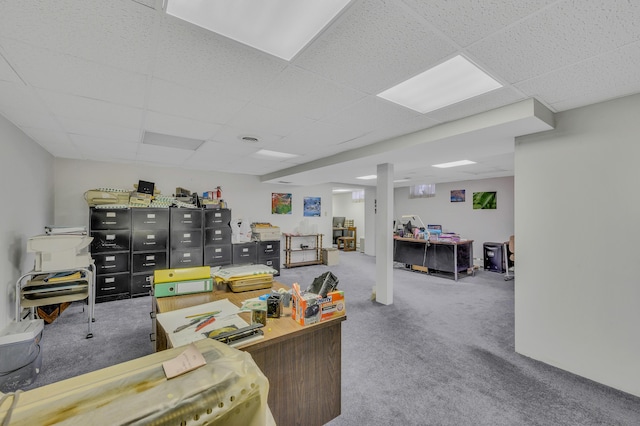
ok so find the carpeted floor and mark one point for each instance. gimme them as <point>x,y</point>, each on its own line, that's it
<point>441,354</point>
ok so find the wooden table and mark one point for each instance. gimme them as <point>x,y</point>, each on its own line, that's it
<point>303,363</point>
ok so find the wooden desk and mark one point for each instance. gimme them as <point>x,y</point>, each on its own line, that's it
<point>437,256</point>
<point>303,364</point>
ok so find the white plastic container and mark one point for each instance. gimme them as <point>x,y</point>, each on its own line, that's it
<point>20,357</point>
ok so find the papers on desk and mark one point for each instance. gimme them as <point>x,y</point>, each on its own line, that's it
<point>226,319</point>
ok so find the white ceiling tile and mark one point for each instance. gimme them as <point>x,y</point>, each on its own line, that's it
<point>566,32</point>
<point>375,45</point>
<point>179,126</point>
<point>73,75</point>
<point>104,149</point>
<point>194,57</point>
<point>214,151</point>
<point>81,127</point>
<point>232,135</point>
<point>608,76</point>
<point>466,21</point>
<point>56,143</point>
<point>198,104</point>
<point>256,118</point>
<point>117,32</point>
<point>299,92</point>
<point>162,155</point>
<point>20,106</point>
<point>370,114</point>
<point>71,106</point>
<point>318,137</point>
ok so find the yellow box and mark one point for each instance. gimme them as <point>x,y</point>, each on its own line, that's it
<point>311,308</point>
<point>181,274</point>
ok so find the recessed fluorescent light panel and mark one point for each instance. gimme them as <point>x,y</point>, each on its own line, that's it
<point>454,164</point>
<point>170,141</point>
<point>452,81</point>
<point>274,154</point>
<point>279,27</point>
<point>368,177</point>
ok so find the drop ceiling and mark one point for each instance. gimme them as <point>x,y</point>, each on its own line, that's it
<point>87,79</point>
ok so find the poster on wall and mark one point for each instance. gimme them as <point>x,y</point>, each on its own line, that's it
<point>458,196</point>
<point>280,203</point>
<point>484,200</point>
<point>312,206</point>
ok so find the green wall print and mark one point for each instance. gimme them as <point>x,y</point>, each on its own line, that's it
<point>484,200</point>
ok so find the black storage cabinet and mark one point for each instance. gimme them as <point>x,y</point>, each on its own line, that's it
<point>110,249</point>
<point>149,247</point>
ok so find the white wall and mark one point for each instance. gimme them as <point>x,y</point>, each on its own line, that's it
<point>247,197</point>
<point>460,217</point>
<point>26,182</point>
<point>577,300</point>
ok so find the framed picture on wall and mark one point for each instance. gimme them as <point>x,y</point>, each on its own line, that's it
<point>312,206</point>
<point>280,203</point>
<point>484,200</point>
<point>458,196</point>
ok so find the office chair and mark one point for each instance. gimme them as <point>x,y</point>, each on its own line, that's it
<point>511,246</point>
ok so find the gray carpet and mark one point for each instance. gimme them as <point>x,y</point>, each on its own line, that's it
<point>442,354</point>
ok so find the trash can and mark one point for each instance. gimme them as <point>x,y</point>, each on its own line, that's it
<point>20,356</point>
<point>493,258</point>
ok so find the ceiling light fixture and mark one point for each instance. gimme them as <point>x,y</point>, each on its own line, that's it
<point>368,177</point>
<point>279,27</point>
<point>274,154</point>
<point>448,83</point>
<point>453,164</point>
<point>170,141</point>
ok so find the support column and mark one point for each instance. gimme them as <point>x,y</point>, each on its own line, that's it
<point>384,234</point>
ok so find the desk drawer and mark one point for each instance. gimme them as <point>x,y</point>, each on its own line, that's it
<point>110,219</point>
<point>245,253</point>
<point>217,236</point>
<point>108,241</point>
<point>111,263</point>
<point>217,218</point>
<point>141,285</point>
<point>182,219</point>
<point>186,239</point>
<point>111,284</point>
<point>185,258</point>
<point>148,240</point>
<point>149,262</point>
<point>272,263</point>
<point>217,255</point>
<point>150,218</point>
<point>268,249</point>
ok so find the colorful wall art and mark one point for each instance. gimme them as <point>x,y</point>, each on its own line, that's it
<point>280,203</point>
<point>312,206</point>
<point>484,200</point>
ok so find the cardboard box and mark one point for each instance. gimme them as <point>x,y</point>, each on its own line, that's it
<point>267,233</point>
<point>309,308</point>
<point>330,256</point>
